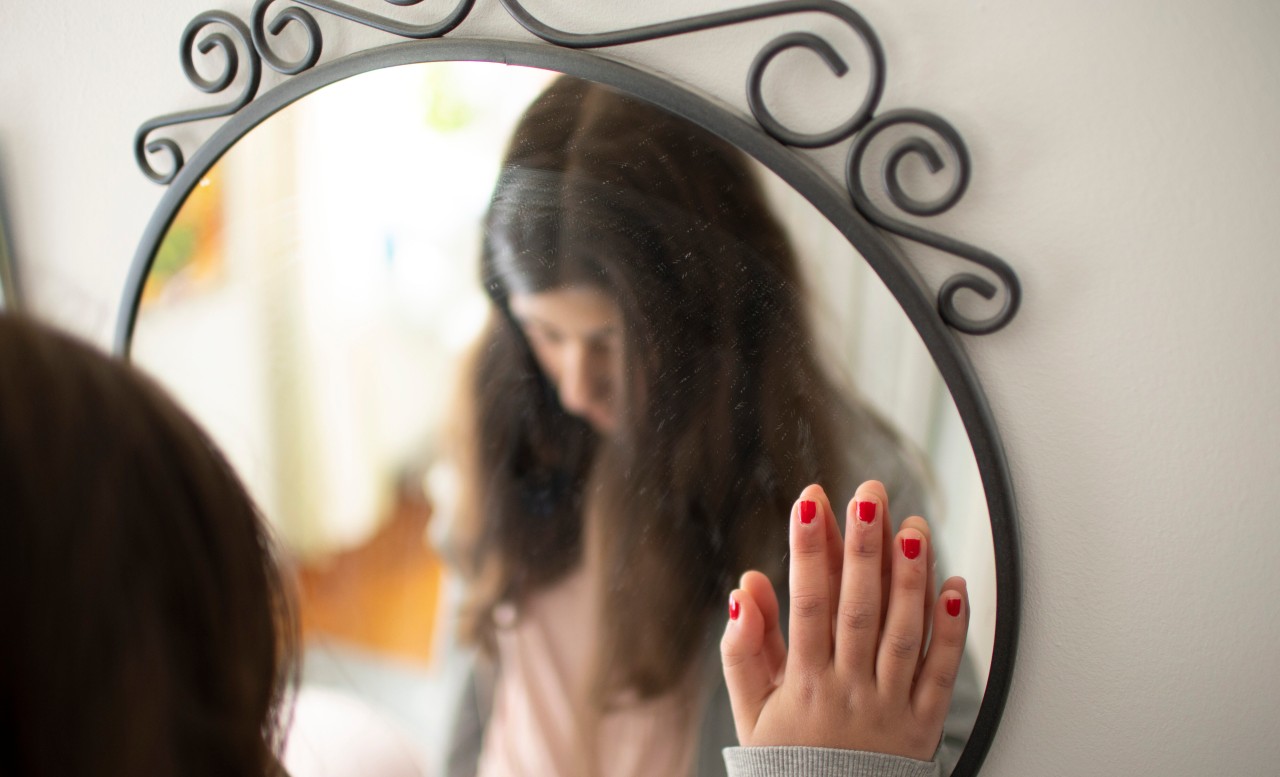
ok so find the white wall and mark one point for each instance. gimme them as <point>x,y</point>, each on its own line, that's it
<point>1127,164</point>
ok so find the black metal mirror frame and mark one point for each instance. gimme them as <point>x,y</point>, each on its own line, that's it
<point>770,142</point>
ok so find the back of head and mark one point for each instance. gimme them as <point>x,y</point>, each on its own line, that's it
<point>142,606</point>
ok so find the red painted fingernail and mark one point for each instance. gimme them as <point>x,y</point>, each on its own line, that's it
<point>735,608</point>
<point>866,511</point>
<point>953,607</point>
<point>910,547</point>
<point>808,510</point>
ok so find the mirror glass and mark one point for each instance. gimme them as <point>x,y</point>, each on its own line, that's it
<point>520,412</point>
<point>8,290</point>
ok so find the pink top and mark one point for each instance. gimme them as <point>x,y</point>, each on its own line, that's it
<point>541,726</point>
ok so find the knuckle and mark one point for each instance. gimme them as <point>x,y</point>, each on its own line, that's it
<point>859,616</point>
<point>944,640</point>
<point>944,679</point>
<point>911,579</point>
<point>902,646</point>
<point>808,605</point>
<point>809,689</point>
<point>808,547</point>
<point>734,652</point>
<point>862,549</point>
<point>729,648</point>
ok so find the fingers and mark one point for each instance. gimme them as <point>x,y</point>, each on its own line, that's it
<point>811,605</point>
<point>748,672</point>
<point>926,612</point>
<point>946,651</point>
<point>862,588</point>
<point>903,636</point>
<point>758,587</point>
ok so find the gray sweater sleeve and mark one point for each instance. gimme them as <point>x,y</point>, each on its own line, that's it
<point>822,762</point>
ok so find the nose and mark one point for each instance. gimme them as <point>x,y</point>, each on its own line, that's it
<point>576,384</point>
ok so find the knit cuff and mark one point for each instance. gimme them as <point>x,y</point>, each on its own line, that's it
<point>821,762</point>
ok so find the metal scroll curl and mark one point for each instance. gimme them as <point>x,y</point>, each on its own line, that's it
<point>281,22</point>
<point>191,42</point>
<point>947,307</point>
<point>255,41</point>
<point>755,75</point>
<point>314,38</point>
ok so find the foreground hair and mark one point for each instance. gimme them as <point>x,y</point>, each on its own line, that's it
<point>146,629</point>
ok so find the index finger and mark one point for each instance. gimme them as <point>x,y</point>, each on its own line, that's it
<point>810,582</point>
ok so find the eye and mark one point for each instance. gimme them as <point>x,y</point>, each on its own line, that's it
<point>604,344</point>
<point>542,335</point>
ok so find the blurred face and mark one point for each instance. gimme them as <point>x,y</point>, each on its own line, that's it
<point>576,336</point>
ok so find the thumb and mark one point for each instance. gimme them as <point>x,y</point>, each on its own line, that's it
<point>747,669</point>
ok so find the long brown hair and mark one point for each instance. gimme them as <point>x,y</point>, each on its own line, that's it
<point>146,629</point>
<point>727,412</point>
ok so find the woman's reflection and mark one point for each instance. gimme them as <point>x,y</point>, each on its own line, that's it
<point>646,402</point>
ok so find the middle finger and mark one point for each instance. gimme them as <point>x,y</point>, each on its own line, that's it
<point>861,591</point>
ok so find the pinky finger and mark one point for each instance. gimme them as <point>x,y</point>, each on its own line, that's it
<point>937,678</point>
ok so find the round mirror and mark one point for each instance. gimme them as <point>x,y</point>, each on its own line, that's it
<point>525,372</point>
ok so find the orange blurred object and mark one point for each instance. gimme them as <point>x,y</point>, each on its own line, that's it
<point>383,595</point>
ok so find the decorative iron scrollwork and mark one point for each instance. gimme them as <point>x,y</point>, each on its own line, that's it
<point>314,37</point>
<point>230,69</point>
<point>315,40</point>
<point>755,89</point>
<point>755,75</point>
<point>855,175</point>
<point>256,40</point>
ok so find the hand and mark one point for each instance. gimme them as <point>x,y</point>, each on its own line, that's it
<point>862,672</point>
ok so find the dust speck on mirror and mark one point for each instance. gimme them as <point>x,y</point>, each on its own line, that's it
<point>524,373</point>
